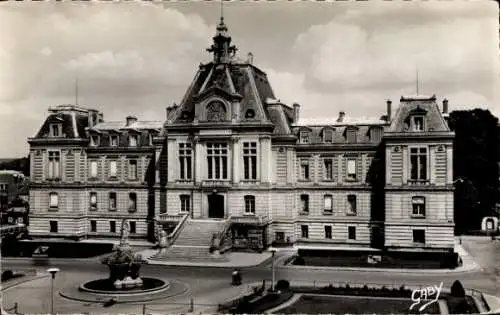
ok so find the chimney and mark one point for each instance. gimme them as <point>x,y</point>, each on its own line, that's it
<point>169,111</point>
<point>445,106</point>
<point>389,110</point>
<point>341,117</point>
<point>101,117</point>
<point>250,58</point>
<point>296,112</point>
<point>130,120</point>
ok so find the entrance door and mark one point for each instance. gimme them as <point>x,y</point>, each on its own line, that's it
<point>215,206</point>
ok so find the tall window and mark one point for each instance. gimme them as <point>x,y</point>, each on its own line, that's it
<point>53,226</point>
<point>351,233</point>
<point>249,204</point>
<point>185,153</point>
<point>216,111</point>
<point>352,204</point>
<point>132,226</point>
<point>150,138</point>
<point>112,169</point>
<point>185,203</point>
<point>304,169</point>
<point>113,141</point>
<point>328,232</point>
<point>418,205</point>
<point>112,226</point>
<point>328,168</point>
<point>250,159</point>
<point>112,201</point>
<point>55,130</point>
<point>304,137</point>
<point>351,169</point>
<point>53,200</point>
<point>132,202</point>
<point>94,141</point>
<point>93,226</point>
<point>304,231</point>
<point>304,203</point>
<point>54,170</point>
<point>418,123</point>
<point>93,200</point>
<point>132,169</point>
<point>217,160</point>
<point>419,236</point>
<point>133,140</point>
<point>328,203</point>
<point>93,169</point>
<point>327,135</point>
<point>3,187</point>
<point>418,161</point>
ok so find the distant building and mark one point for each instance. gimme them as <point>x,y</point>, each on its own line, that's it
<point>231,151</point>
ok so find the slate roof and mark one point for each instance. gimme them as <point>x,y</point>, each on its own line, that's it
<point>434,120</point>
<point>73,124</point>
<point>119,125</point>
<point>339,133</point>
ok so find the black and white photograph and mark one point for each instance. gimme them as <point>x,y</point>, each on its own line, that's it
<point>250,157</point>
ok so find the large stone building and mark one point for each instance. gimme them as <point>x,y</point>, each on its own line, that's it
<point>232,158</point>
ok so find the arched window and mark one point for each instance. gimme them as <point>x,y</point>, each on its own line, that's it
<point>216,111</point>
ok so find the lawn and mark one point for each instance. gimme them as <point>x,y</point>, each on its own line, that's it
<point>322,304</point>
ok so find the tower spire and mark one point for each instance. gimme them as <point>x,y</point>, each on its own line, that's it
<point>221,47</point>
<point>76,90</point>
<point>417,78</point>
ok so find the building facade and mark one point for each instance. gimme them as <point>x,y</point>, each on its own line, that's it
<point>232,151</point>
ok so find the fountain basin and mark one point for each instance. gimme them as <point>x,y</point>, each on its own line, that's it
<point>106,287</point>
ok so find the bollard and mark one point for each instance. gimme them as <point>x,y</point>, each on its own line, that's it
<point>191,306</point>
<point>143,309</point>
<point>314,283</point>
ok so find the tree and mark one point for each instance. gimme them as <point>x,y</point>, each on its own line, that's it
<point>21,165</point>
<point>475,162</point>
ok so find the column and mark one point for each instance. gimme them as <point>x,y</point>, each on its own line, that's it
<point>173,163</point>
<point>157,165</point>
<point>388,165</point>
<point>316,165</point>
<point>265,159</point>
<point>340,166</point>
<point>198,160</point>
<point>449,164</point>
<point>364,170</point>
<point>236,159</point>
<point>432,165</point>
<point>405,165</point>
<point>290,166</point>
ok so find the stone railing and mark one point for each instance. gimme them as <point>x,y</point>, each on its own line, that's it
<point>252,219</point>
<point>166,217</point>
<point>175,233</point>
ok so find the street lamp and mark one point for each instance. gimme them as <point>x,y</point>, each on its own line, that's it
<point>53,272</point>
<point>273,251</point>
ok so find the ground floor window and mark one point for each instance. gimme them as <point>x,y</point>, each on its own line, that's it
<point>249,204</point>
<point>280,237</point>
<point>304,231</point>
<point>328,231</point>
<point>93,226</point>
<point>419,236</point>
<point>53,227</point>
<point>185,203</point>
<point>352,232</point>
<point>112,226</point>
<point>132,227</point>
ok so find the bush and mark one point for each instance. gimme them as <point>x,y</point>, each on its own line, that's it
<point>457,289</point>
<point>7,275</point>
<point>283,285</point>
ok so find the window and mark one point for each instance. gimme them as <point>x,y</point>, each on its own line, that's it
<point>304,137</point>
<point>304,203</point>
<point>53,226</point>
<point>132,169</point>
<point>216,111</point>
<point>54,169</point>
<point>249,204</point>
<point>304,169</point>
<point>112,169</point>
<point>351,135</point>
<point>250,113</point>
<point>418,123</point>
<point>93,169</point>
<point>351,232</point>
<point>280,237</point>
<point>328,168</point>
<point>328,203</point>
<point>132,202</point>
<point>93,201</point>
<point>185,203</point>
<point>3,187</point>
<point>55,130</point>
<point>217,160</point>
<point>132,227</point>
<point>328,136</point>
<point>250,160</point>
<point>328,232</point>
<point>93,226</point>
<point>113,141</point>
<point>133,140</point>
<point>150,138</point>
<point>351,169</point>
<point>112,226</point>
<point>419,236</point>
<point>94,141</point>
<point>352,204</point>
<point>112,201</point>
<point>375,134</point>
<point>53,200</point>
<point>304,229</point>
<point>418,161</point>
<point>418,205</point>
<point>185,153</point>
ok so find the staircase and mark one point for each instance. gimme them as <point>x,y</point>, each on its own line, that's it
<point>193,242</point>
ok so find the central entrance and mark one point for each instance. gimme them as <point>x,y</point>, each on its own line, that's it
<point>215,206</point>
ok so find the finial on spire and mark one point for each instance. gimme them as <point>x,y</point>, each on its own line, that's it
<point>221,48</point>
<point>76,90</point>
<point>417,78</point>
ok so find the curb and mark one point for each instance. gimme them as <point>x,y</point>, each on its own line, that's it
<point>27,279</point>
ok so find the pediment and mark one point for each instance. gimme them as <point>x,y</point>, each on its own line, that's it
<point>219,92</point>
<point>418,111</point>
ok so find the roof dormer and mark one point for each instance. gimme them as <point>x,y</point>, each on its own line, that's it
<point>304,135</point>
<point>55,130</point>
<point>416,120</point>
<point>350,134</point>
<point>327,134</point>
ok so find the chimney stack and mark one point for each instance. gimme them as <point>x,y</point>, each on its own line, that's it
<point>445,106</point>
<point>250,58</point>
<point>341,117</point>
<point>130,120</point>
<point>389,110</point>
<point>296,112</point>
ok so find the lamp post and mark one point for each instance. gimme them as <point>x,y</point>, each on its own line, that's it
<point>273,252</point>
<point>52,272</point>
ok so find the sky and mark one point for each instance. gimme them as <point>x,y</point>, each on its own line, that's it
<point>140,57</point>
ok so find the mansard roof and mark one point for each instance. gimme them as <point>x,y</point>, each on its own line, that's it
<point>122,125</point>
<point>73,124</point>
